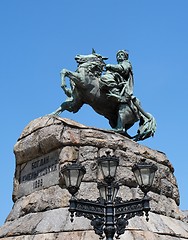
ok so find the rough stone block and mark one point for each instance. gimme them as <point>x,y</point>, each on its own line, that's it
<point>41,203</point>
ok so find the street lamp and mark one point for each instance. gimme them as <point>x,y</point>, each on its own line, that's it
<point>108,166</point>
<point>109,214</point>
<point>73,175</point>
<point>144,174</point>
<point>103,188</point>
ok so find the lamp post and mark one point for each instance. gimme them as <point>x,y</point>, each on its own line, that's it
<point>109,214</point>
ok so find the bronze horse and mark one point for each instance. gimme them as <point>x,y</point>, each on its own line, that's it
<point>85,89</point>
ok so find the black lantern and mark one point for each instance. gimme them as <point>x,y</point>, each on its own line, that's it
<point>108,166</point>
<point>104,190</point>
<point>73,175</point>
<point>144,174</point>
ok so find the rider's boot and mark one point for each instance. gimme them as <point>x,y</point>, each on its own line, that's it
<point>119,127</point>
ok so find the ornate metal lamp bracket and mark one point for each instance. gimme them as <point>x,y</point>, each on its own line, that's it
<point>125,210</point>
<point>92,210</point>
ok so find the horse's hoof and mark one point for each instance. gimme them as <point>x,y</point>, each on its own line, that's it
<point>119,130</point>
<point>122,132</point>
<point>54,114</point>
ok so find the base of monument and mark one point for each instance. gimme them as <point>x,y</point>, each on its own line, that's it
<point>40,208</point>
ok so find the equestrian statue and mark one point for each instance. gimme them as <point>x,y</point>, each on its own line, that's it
<point>108,89</point>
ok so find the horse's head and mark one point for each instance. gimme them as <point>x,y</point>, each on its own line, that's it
<point>94,57</point>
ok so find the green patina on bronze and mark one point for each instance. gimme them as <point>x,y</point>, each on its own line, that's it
<point>108,89</point>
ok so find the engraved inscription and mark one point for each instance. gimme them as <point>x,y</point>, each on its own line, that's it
<point>40,168</point>
<point>38,183</point>
<point>40,162</point>
<point>39,173</point>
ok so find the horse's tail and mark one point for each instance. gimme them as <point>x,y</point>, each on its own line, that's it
<point>147,124</point>
<point>147,127</point>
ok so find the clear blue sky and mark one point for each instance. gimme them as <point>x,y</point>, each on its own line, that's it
<point>39,38</point>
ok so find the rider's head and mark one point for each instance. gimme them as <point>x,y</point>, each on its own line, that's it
<point>122,55</point>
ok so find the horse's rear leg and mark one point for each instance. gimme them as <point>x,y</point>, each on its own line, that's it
<point>71,106</point>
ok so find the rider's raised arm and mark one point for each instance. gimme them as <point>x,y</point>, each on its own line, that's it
<point>115,67</point>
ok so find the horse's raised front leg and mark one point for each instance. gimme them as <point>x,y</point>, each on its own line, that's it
<point>67,91</point>
<point>71,104</point>
<point>74,76</point>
